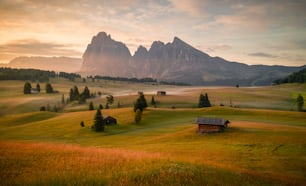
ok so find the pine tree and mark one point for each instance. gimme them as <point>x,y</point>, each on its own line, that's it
<point>98,121</point>
<point>300,102</point>
<point>71,98</point>
<point>204,101</point>
<point>38,87</point>
<point>86,92</point>
<point>140,103</point>
<point>76,94</point>
<point>91,106</point>
<point>101,106</point>
<point>207,102</point>
<point>63,99</point>
<point>27,88</point>
<point>153,103</point>
<point>201,101</point>
<point>110,99</point>
<point>49,88</point>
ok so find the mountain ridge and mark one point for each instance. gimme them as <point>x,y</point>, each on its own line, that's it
<point>64,64</point>
<point>176,61</point>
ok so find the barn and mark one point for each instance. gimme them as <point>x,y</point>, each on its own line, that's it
<point>161,93</point>
<point>210,124</point>
<point>108,120</point>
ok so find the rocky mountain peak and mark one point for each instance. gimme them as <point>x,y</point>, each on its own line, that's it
<point>104,44</point>
<point>141,52</point>
<point>177,41</point>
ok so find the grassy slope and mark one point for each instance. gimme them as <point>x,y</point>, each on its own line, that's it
<point>251,150</point>
<point>261,147</point>
<point>12,101</point>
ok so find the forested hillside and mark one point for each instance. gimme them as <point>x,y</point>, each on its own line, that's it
<point>296,77</point>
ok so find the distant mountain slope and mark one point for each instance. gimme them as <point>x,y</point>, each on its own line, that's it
<point>296,77</point>
<point>64,64</point>
<point>176,61</point>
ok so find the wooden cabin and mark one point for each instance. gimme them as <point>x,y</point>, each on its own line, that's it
<point>108,120</point>
<point>210,125</point>
<point>161,93</point>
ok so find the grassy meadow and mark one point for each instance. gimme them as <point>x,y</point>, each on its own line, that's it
<point>265,143</point>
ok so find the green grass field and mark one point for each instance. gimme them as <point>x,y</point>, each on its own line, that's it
<point>264,145</point>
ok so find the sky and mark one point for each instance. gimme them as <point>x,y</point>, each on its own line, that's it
<point>269,32</point>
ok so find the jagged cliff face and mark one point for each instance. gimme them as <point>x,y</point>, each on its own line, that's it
<point>106,56</point>
<point>176,61</point>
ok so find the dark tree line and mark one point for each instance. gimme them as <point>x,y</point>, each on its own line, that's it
<point>33,74</point>
<point>70,76</point>
<point>26,74</point>
<point>174,83</point>
<point>135,80</point>
<point>296,77</point>
<point>138,80</point>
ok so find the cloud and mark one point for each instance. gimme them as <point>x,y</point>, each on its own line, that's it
<point>245,16</point>
<point>248,25</point>
<point>35,47</point>
<point>262,54</point>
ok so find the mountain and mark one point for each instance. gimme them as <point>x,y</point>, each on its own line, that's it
<point>175,62</point>
<point>64,64</point>
<point>106,56</point>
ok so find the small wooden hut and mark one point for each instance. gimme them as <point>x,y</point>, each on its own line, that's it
<point>210,125</point>
<point>108,120</point>
<point>161,93</point>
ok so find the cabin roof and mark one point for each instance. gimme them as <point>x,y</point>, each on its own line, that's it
<point>210,121</point>
<point>108,117</point>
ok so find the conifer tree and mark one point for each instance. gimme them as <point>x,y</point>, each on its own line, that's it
<point>91,106</point>
<point>49,88</point>
<point>201,101</point>
<point>98,121</point>
<point>27,88</point>
<point>207,102</point>
<point>300,102</point>
<point>76,94</point>
<point>38,87</point>
<point>71,95</point>
<point>110,99</point>
<point>204,101</point>
<point>153,103</point>
<point>63,99</point>
<point>140,103</point>
<point>86,92</point>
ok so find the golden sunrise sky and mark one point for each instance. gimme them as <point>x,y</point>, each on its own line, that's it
<point>270,32</point>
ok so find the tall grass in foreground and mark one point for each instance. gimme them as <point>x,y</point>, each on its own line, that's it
<point>54,164</point>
